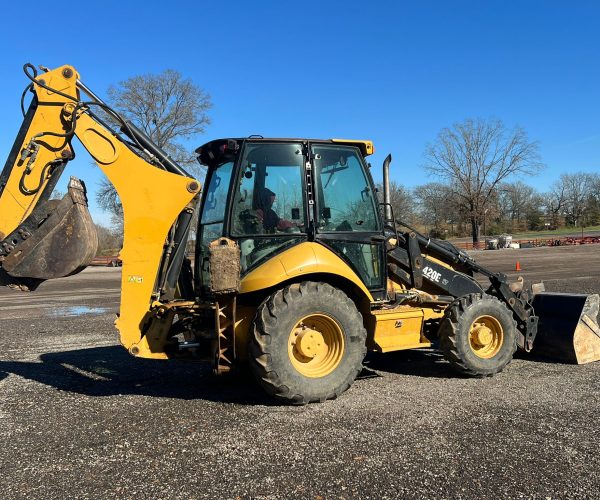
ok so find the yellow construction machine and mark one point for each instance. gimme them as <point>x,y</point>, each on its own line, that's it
<point>298,269</point>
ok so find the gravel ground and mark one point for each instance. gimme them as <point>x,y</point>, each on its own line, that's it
<point>80,418</point>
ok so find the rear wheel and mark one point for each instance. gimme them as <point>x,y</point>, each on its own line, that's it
<point>308,343</point>
<point>478,335</point>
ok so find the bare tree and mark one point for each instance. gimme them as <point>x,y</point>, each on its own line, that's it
<point>474,157</point>
<point>574,194</point>
<point>169,109</point>
<point>516,202</point>
<point>108,199</point>
<point>401,199</point>
<point>437,206</point>
<point>554,204</point>
<point>109,240</point>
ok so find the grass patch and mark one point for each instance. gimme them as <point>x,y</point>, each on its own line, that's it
<point>556,232</point>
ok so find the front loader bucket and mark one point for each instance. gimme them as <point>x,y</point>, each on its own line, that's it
<point>58,239</point>
<point>568,329</point>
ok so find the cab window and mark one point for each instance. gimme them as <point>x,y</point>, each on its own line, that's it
<point>213,214</point>
<point>269,196</point>
<point>345,199</point>
<point>215,202</point>
<point>268,213</point>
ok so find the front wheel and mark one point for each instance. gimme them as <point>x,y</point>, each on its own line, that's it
<point>478,335</point>
<point>308,343</point>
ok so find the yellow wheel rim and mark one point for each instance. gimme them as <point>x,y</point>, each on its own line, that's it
<point>486,336</point>
<point>316,345</point>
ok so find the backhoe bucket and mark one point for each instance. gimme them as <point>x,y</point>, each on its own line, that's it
<point>58,239</point>
<point>568,327</point>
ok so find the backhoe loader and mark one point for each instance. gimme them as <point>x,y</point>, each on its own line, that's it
<point>298,269</point>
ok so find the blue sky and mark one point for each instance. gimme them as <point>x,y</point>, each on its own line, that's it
<point>393,72</point>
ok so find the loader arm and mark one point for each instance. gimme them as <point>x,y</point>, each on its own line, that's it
<point>157,204</point>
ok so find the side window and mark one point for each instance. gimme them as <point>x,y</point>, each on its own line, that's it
<point>366,259</point>
<point>269,196</point>
<point>345,201</point>
<point>216,194</point>
<point>213,213</point>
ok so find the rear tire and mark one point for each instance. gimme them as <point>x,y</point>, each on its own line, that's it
<point>478,335</point>
<point>307,344</point>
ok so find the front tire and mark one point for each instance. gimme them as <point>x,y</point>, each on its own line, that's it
<point>478,335</point>
<point>307,344</point>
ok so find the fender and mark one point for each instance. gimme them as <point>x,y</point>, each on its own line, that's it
<point>303,259</point>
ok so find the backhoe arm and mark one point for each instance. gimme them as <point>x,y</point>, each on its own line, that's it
<point>157,204</point>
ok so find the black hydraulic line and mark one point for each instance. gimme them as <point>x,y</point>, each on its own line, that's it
<point>140,137</point>
<point>42,84</point>
<point>30,88</point>
<point>48,168</point>
<point>179,248</point>
<point>135,134</point>
<point>522,310</point>
<point>16,148</point>
<point>127,128</point>
<point>136,148</point>
<point>456,257</point>
<point>96,101</point>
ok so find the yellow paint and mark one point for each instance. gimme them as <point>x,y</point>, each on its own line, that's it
<point>438,261</point>
<point>100,146</point>
<point>15,205</point>
<point>300,261</point>
<point>486,336</point>
<point>152,200</point>
<point>244,316</point>
<point>316,345</point>
<point>393,286</point>
<point>399,328</point>
<point>366,147</point>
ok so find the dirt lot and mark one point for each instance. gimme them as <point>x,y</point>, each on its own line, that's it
<point>80,418</point>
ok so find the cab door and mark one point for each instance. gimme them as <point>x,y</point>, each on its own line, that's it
<point>347,218</point>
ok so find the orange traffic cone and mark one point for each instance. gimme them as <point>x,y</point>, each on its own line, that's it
<point>518,266</point>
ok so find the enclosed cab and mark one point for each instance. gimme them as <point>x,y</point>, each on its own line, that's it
<point>273,195</point>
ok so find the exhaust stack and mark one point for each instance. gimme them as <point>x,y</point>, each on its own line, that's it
<point>386,189</point>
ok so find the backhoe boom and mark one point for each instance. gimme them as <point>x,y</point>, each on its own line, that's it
<point>158,201</point>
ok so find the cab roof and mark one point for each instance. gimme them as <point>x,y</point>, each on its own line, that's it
<point>366,147</point>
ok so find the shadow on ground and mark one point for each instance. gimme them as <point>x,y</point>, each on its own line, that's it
<point>416,363</point>
<point>110,371</point>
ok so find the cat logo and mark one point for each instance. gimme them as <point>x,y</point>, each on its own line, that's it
<point>135,279</point>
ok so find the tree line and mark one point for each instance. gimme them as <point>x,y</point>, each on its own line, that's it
<point>572,201</point>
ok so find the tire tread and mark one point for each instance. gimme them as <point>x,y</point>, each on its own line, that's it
<point>266,324</point>
<point>453,326</point>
